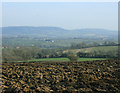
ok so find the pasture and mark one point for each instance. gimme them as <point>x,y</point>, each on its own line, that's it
<point>92,49</point>
<point>64,59</point>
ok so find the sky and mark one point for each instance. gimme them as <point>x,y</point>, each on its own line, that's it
<point>68,15</point>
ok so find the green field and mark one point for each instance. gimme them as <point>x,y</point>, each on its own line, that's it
<point>92,49</point>
<point>65,59</point>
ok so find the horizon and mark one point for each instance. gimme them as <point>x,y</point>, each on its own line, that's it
<point>62,28</point>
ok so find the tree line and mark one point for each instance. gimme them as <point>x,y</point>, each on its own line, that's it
<point>28,53</point>
<point>94,44</point>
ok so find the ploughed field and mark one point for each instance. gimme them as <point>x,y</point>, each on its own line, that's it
<point>87,76</point>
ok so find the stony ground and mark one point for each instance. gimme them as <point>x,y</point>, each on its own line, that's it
<point>62,77</point>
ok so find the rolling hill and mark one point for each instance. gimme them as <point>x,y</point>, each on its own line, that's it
<point>56,32</point>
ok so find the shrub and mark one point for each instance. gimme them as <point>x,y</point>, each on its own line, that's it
<point>72,57</point>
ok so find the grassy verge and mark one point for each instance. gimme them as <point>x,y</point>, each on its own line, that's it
<point>50,59</point>
<point>65,59</point>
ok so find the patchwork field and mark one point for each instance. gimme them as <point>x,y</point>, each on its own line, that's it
<point>83,77</point>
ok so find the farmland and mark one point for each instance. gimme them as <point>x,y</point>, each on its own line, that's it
<point>57,54</point>
<point>59,47</point>
<point>65,59</point>
<point>48,64</point>
<point>48,43</point>
<point>84,76</point>
<point>92,49</point>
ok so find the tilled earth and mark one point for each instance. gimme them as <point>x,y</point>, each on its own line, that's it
<point>62,77</point>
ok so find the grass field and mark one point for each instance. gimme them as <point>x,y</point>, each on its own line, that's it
<point>65,59</point>
<point>91,49</point>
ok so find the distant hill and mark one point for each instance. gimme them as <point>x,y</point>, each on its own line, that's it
<point>56,32</point>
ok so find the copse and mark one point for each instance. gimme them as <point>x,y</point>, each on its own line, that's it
<point>72,57</point>
<point>28,53</point>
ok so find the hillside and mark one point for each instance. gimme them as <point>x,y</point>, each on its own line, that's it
<point>92,49</point>
<point>56,32</point>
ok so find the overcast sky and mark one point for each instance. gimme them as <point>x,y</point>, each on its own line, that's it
<point>67,15</point>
